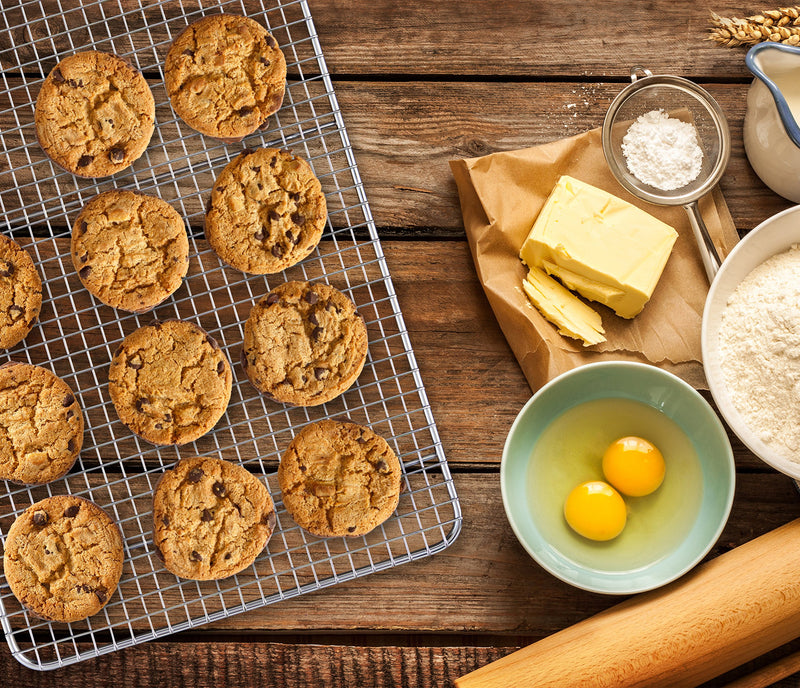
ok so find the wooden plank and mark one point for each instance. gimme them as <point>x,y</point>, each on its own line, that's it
<point>404,134</point>
<point>281,664</point>
<point>483,583</point>
<point>479,38</point>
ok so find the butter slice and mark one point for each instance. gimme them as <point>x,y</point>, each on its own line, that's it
<point>562,308</point>
<point>599,245</point>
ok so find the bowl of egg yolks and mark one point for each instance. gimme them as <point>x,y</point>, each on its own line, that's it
<point>617,477</point>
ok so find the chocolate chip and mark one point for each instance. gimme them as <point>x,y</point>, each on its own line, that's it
<point>271,41</point>
<point>274,216</point>
<point>243,112</point>
<point>212,342</point>
<point>72,511</point>
<point>289,236</point>
<point>58,77</point>
<point>40,518</point>
<point>159,426</point>
<point>188,53</point>
<point>85,160</point>
<point>219,489</point>
<point>351,529</point>
<point>84,225</point>
<point>68,400</point>
<point>264,61</point>
<point>116,154</point>
<point>260,235</point>
<point>135,363</point>
<point>270,519</point>
<point>311,297</point>
<point>298,219</point>
<point>274,161</point>
<point>319,373</point>
<point>220,367</point>
<point>165,520</point>
<point>382,466</point>
<point>227,555</point>
<point>102,595</point>
<point>7,269</point>
<point>72,83</point>
<point>312,318</point>
<point>195,556</point>
<point>140,402</point>
<point>70,413</point>
<point>272,298</point>
<point>315,333</point>
<point>83,257</point>
<point>303,468</point>
<point>71,445</point>
<point>168,417</point>
<point>85,271</point>
<point>277,251</point>
<point>206,516</point>
<point>195,475</point>
<point>295,196</point>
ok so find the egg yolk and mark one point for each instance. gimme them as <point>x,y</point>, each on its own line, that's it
<point>595,510</point>
<point>634,466</point>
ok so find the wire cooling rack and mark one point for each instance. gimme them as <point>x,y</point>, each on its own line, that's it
<point>77,335</point>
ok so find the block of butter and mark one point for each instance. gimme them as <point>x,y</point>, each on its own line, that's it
<point>561,307</point>
<point>599,245</point>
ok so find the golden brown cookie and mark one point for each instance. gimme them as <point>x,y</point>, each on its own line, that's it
<point>95,114</point>
<point>211,518</point>
<point>304,344</point>
<point>267,211</point>
<point>339,478</point>
<point>63,558</point>
<point>225,75</point>
<point>20,293</point>
<point>130,250</point>
<point>170,382</point>
<point>41,425</point>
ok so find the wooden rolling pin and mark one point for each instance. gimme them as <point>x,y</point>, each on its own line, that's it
<point>728,611</point>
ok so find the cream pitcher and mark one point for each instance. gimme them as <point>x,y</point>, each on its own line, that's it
<point>772,120</point>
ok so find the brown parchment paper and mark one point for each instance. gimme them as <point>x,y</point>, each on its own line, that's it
<point>501,194</point>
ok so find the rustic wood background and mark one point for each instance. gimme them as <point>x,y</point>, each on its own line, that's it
<point>421,83</point>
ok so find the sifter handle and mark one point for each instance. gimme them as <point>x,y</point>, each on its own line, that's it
<point>708,252</point>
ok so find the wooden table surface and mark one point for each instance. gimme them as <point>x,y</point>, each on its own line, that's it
<point>421,83</point>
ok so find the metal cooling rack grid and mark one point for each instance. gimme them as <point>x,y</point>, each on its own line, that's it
<point>77,336</point>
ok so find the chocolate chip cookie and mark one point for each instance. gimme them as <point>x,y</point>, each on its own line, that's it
<point>225,75</point>
<point>304,344</point>
<point>63,558</point>
<point>267,211</point>
<point>211,518</point>
<point>130,250</point>
<point>20,293</point>
<point>41,425</point>
<point>339,478</point>
<point>95,114</point>
<point>170,382</point>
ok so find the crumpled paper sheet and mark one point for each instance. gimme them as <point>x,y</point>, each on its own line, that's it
<point>501,194</point>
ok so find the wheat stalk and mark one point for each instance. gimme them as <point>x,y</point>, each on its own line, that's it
<point>779,26</point>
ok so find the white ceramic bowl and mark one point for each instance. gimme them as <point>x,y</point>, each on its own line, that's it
<point>775,235</point>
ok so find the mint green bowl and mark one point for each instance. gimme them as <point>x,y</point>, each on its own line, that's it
<point>680,403</point>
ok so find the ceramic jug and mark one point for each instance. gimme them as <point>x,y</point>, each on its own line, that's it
<point>771,128</point>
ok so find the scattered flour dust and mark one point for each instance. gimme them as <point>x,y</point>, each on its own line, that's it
<point>662,151</point>
<point>759,345</point>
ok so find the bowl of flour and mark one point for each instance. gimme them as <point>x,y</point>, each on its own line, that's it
<point>751,341</point>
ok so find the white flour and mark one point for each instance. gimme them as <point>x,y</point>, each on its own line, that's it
<point>662,151</point>
<point>759,343</point>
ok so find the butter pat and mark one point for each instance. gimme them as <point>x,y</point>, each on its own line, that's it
<point>561,307</point>
<point>599,245</point>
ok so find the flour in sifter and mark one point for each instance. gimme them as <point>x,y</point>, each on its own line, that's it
<point>662,151</point>
<point>759,343</point>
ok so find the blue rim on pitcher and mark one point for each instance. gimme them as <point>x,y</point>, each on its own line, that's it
<point>789,122</point>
